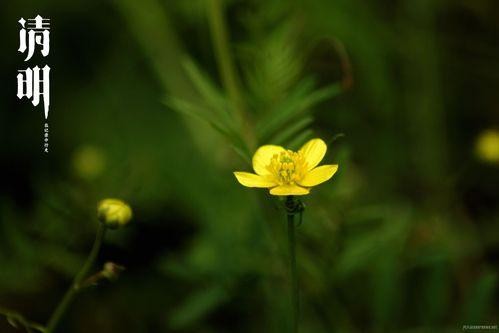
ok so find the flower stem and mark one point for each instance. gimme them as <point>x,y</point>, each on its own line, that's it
<point>227,68</point>
<point>76,285</point>
<point>292,269</point>
<point>225,61</point>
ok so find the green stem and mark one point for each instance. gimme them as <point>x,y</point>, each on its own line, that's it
<point>226,65</point>
<point>75,287</point>
<point>292,268</point>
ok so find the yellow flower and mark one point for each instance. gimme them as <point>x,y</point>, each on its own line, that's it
<point>487,146</point>
<point>114,213</point>
<point>286,172</point>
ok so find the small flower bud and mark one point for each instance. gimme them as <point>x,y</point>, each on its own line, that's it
<point>487,146</point>
<point>111,271</point>
<point>114,213</point>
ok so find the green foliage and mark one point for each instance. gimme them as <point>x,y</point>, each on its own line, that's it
<point>280,101</point>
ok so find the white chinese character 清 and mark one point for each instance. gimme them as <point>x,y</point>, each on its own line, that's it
<point>34,32</point>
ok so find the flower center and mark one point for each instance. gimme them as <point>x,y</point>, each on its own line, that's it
<point>287,167</point>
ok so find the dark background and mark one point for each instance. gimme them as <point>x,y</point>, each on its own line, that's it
<point>405,238</point>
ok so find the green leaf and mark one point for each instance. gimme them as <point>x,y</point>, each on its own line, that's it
<point>281,113</point>
<point>193,110</point>
<point>301,101</point>
<point>213,97</point>
<point>299,140</point>
<point>273,65</point>
<point>291,131</point>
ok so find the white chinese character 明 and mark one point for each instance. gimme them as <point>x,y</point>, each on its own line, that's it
<point>38,32</point>
<point>31,86</point>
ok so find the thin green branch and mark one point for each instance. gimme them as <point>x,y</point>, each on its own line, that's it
<point>227,67</point>
<point>77,282</point>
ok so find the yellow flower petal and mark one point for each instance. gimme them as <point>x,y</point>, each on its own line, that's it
<point>318,175</point>
<point>262,158</point>
<point>313,152</point>
<point>251,180</point>
<point>289,190</point>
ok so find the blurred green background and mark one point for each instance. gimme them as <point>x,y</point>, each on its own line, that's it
<point>157,102</point>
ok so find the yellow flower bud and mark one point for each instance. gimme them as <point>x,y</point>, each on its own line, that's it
<point>114,213</point>
<point>111,271</point>
<point>487,146</point>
